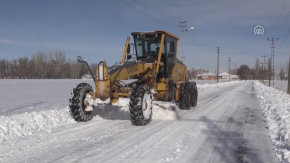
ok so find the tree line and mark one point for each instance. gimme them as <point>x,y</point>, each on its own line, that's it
<point>54,65</point>
<point>259,72</point>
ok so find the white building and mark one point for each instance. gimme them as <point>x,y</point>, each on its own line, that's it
<point>226,76</point>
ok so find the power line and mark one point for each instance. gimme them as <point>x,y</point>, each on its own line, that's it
<point>164,13</point>
<point>285,18</point>
<point>142,11</point>
<point>144,6</point>
<point>280,14</point>
<point>200,46</point>
<point>148,14</point>
<point>283,41</point>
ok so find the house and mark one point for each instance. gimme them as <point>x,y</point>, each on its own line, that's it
<point>225,76</point>
<point>199,71</point>
<point>209,76</point>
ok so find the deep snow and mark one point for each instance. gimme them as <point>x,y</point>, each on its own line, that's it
<point>25,116</point>
<point>37,133</point>
<point>276,109</point>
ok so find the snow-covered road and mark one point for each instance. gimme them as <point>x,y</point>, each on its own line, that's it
<point>227,126</point>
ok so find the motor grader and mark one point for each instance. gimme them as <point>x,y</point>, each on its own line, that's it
<point>155,74</point>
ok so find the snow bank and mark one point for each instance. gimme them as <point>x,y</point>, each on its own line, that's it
<point>276,108</point>
<point>30,123</point>
<point>33,122</point>
<point>216,85</point>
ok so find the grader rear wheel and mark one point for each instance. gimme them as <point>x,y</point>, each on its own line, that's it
<point>195,94</point>
<point>185,96</point>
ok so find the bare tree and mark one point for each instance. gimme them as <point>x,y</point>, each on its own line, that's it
<point>257,69</point>
<point>42,66</point>
<point>3,68</point>
<point>193,73</point>
<point>244,72</point>
<point>94,67</point>
<point>282,73</point>
<point>23,67</point>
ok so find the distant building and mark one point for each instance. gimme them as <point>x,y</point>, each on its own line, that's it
<point>199,71</point>
<point>226,76</point>
<point>206,75</point>
<point>209,76</point>
<point>86,76</point>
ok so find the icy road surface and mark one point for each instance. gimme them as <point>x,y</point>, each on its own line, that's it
<point>227,126</point>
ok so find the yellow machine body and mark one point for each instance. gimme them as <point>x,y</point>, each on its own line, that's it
<point>155,65</point>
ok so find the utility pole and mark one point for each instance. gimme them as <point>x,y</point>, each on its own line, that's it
<point>269,68</point>
<point>288,90</point>
<point>287,68</point>
<point>230,68</point>
<point>218,55</point>
<point>272,60</point>
<point>264,63</point>
<point>183,30</point>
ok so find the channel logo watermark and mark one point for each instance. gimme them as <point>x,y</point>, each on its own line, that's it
<point>259,30</point>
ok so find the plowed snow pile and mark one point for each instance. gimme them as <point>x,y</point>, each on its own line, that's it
<point>30,123</point>
<point>276,108</point>
<point>33,122</point>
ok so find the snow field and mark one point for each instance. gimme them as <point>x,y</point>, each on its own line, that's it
<point>30,123</point>
<point>276,109</point>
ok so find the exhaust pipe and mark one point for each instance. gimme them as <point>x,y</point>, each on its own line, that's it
<point>88,67</point>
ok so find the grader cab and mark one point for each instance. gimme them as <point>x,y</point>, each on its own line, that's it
<point>155,74</point>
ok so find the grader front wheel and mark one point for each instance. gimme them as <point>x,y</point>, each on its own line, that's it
<point>140,106</point>
<point>77,103</point>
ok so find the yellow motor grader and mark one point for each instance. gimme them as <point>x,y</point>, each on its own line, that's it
<point>157,73</point>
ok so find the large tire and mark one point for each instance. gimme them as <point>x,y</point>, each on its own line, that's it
<point>185,96</point>
<point>76,106</point>
<point>171,91</point>
<point>140,106</point>
<point>195,94</point>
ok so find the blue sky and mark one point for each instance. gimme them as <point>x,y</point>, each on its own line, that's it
<point>97,30</point>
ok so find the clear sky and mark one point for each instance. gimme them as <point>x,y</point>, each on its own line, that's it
<point>97,29</point>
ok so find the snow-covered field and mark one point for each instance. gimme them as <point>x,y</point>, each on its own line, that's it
<point>18,96</point>
<point>226,126</point>
<point>281,85</point>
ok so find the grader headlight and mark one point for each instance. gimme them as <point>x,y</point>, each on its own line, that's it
<point>101,71</point>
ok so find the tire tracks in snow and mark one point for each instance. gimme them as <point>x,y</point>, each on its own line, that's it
<point>194,131</point>
<point>104,150</point>
<point>28,148</point>
<point>109,140</point>
<point>222,111</point>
